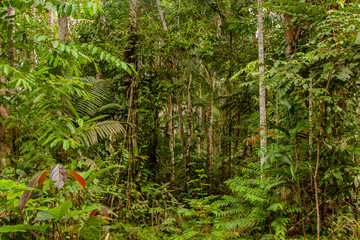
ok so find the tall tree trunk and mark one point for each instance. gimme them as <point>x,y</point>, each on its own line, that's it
<point>63,26</point>
<point>200,114</point>
<point>262,93</point>
<point>5,141</point>
<point>182,136</point>
<point>11,26</point>
<point>289,34</point>
<point>189,130</point>
<point>171,135</point>
<point>210,117</point>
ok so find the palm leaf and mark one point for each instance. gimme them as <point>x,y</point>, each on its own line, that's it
<point>103,129</point>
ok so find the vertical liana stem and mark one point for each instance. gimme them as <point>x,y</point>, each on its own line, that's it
<point>318,224</point>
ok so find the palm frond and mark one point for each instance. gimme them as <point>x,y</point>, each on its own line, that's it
<point>103,130</point>
<point>99,96</point>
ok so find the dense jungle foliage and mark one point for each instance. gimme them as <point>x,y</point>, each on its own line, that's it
<point>148,119</point>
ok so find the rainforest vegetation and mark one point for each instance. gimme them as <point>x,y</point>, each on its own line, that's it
<point>179,119</point>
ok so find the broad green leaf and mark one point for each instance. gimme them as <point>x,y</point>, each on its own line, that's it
<point>75,54</point>
<point>44,215</point>
<point>357,40</point>
<point>56,43</point>
<point>22,228</point>
<point>59,212</point>
<point>66,144</point>
<point>284,100</point>
<point>92,228</point>
<point>98,173</point>
<point>77,212</point>
<point>68,9</point>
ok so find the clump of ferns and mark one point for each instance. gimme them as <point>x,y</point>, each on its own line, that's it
<point>254,205</point>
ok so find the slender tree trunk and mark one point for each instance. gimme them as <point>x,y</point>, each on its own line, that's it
<point>171,142</point>
<point>262,93</point>
<point>170,108</point>
<point>318,221</point>
<point>229,92</point>
<point>200,114</point>
<point>210,117</point>
<point>161,14</point>
<point>189,130</point>
<point>63,26</point>
<point>182,136</point>
<point>11,26</point>
<point>237,134</point>
<point>229,143</point>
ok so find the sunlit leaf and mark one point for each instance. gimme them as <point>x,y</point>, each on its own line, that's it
<point>60,211</point>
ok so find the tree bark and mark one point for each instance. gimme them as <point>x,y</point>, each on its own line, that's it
<point>63,26</point>
<point>130,57</point>
<point>209,137</point>
<point>289,34</point>
<point>200,114</point>
<point>11,26</point>
<point>171,135</point>
<point>262,93</point>
<point>51,20</point>
<point>182,136</point>
<point>161,14</point>
<point>189,130</point>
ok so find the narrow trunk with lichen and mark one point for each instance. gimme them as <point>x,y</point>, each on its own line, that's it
<point>262,93</point>
<point>210,119</point>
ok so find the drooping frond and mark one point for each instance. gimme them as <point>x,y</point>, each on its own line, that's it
<point>103,130</point>
<point>110,108</point>
<point>99,96</point>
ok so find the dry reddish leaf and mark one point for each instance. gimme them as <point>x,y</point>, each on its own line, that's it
<point>78,178</point>
<point>27,194</point>
<point>93,213</point>
<point>105,212</point>
<point>42,177</point>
